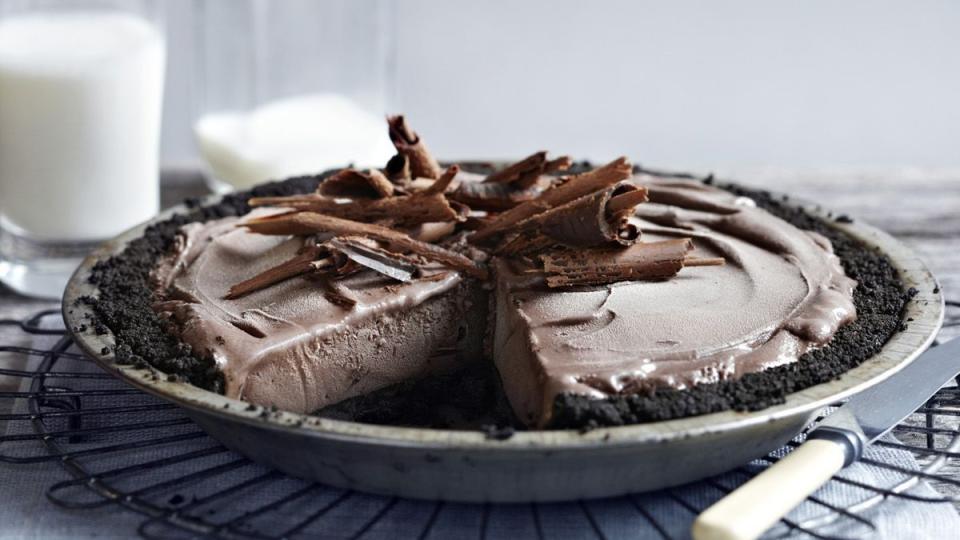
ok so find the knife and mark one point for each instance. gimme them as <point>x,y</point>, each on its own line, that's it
<point>835,443</point>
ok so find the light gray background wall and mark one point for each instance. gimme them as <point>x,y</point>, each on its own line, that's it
<point>702,84</point>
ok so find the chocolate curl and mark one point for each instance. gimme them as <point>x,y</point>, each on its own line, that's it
<point>397,169</point>
<point>432,232</point>
<point>369,255</point>
<point>343,266</point>
<point>406,210</point>
<point>621,208</point>
<point>307,223</point>
<point>624,202</point>
<point>496,197</point>
<point>310,258</point>
<point>354,184</point>
<point>639,262</point>
<point>526,172</point>
<point>443,182</point>
<point>476,222</point>
<point>460,178</point>
<point>562,163</point>
<point>530,164</point>
<point>591,220</point>
<point>574,188</point>
<point>525,243</point>
<point>408,143</point>
<point>462,210</point>
<point>337,293</point>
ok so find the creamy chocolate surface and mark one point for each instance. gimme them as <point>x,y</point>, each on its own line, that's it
<point>780,293</point>
<point>288,345</point>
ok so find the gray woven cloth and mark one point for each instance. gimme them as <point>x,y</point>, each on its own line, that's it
<point>25,511</point>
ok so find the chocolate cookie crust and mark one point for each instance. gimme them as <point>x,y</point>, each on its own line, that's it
<point>124,306</point>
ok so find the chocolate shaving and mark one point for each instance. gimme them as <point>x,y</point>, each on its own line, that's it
<point>339,257</point>
<point>337,293</point>
<point>591,220</point>
<point>432,232</point>
<point>621,208</point>
<point>306,223</point>
<point>574,188</point>
<point>443,182</point>
<point>529,166</point>
<point>704,261</point>
<point>526,172</point>
<point>624,202</point>
<point>497,197</point>
<point>601,266</point>
<point>354,184</point>
<point>462,210</point>
<point>408,143</point>
<point>511,173</point>
<point>359,250</point>
<point>461,177</point>
<point>310,258</point>
<point>404,210</point>
<point>343,266</point>
<point>439,276</point>
<point>476,222</point>
<point>397,169</point>
<point>526,243</point>
<point>562,163</point>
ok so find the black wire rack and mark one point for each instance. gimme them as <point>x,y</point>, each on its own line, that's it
<point>125,448</point>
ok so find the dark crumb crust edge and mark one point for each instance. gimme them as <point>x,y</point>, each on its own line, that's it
<point>143,339</point>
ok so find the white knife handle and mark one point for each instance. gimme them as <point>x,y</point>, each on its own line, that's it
<point>756,505</point>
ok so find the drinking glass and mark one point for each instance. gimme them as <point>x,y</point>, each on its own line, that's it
<point>81,87</point>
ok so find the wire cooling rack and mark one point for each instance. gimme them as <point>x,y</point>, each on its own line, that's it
<point>123,447</point>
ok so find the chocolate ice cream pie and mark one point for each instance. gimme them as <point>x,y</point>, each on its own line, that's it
<point>602,295</point>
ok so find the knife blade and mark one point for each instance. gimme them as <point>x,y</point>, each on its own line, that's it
<point>874,412</point>
<point>835,443</point>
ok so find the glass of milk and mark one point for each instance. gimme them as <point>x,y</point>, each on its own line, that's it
<point>81,87</point>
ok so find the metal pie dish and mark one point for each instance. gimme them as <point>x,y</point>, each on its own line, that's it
<point>552,465</point>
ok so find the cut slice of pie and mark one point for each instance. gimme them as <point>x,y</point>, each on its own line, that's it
<point>293,346</point>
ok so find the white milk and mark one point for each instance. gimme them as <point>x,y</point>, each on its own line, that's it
<point>294,136</point>
<point>80,103</point>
